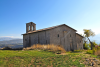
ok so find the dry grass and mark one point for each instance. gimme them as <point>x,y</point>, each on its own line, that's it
<point>97,52</point>
<point>49,47</point>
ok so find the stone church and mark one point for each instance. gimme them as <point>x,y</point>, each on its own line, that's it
<point>58,35</point>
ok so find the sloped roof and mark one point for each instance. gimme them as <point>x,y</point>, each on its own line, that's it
<point>80,35</point>
<point>31,23</point>
<point>48,29</point>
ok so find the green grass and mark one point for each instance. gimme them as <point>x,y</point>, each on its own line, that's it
<point>89,51</point>
<point>77,51</point>
<point>33,58</point>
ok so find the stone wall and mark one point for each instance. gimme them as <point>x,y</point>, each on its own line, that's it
<point>79,42</point>
<point>25,41</point>
<point>42,37</point>
<point>31,26</point>
<point>61,35</point>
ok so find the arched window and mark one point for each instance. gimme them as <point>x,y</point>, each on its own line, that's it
<point>29,27</point>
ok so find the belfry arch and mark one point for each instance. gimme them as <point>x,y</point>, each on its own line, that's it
<point>30,27</point>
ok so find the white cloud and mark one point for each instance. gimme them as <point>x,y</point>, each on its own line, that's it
<point>8,36</point>
<point>13,36</point>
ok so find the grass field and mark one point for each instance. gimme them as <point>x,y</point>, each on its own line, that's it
<point>40,58</point>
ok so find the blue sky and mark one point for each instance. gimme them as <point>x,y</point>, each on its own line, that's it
<point>78,14</point>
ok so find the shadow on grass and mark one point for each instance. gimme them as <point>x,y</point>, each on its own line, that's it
<point>8,48</point>
<point>76,51</point>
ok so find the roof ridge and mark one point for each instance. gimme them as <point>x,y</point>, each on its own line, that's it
<point>49,28</point>
<point>79,34</point>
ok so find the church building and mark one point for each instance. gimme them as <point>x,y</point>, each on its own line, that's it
<point>59,35</point>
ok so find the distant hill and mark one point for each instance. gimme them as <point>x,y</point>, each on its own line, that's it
<point>14,41</point>
<point>11,42</point>
<point>7,38</point>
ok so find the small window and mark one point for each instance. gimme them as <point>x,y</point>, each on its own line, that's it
<point>58,35</point>
<point>70,35</point>
<point>25,39</point>
<point>32,27</point>
<point>80,41</point>
<point>46,41</point>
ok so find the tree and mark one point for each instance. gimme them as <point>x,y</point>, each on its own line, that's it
<point>89,33</point>
<point>85,45</point>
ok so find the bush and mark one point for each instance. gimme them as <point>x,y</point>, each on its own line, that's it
<point>49,47</point>
<point>88,46</point>
<point>9,48</point>
<point>89,51</point>
<point>97,51</point>
<point>85,46</point>
<point>94,44</point>
<point>6,48</point>
<point>98,48</point>
<point>76,51</point>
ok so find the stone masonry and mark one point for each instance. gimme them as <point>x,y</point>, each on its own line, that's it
<point>58,35</point>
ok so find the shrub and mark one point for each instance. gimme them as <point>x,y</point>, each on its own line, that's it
<point>9,48</point>
<point>6,48</point>
<point>89,51</point>
<point>85,46</point>
<point>49,47</point>
<point>88,45</point>
<point>98,48</point>
<point>76,51</point>
<point>97,51</point>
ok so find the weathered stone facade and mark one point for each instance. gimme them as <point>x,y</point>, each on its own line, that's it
<point>79,41</point>
<point>58,35</point>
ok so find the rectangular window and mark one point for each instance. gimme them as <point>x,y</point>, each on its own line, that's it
<point>46,41</point>
<point>58,35</point>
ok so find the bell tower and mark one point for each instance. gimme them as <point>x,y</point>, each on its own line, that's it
<point>30,27</point>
